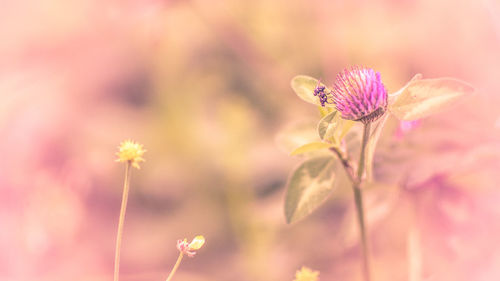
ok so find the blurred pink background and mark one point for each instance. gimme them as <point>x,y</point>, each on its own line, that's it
<point>204,85</point>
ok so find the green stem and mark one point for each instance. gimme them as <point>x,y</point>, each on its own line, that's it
<point>358,199</point>
<point>177,263</point>
<point>361,164</point>
<point>121,220</point>
<point>357,180</point>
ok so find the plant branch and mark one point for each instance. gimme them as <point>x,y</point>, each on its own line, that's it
<point>345,162</point>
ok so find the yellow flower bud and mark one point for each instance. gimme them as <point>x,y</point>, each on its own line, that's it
<point>197,243</point>
<point>306,274</point>
<point>131,152</point>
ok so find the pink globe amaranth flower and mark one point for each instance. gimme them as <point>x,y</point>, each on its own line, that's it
<point>359,95</point>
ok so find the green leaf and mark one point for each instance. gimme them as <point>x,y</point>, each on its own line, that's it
<point>332,128</point>
<point>304,88</point>
<point>424,97</point>
<point>372,144</point>
<point>310,147</point>
<point>325,125</point>
<point>308,187</point>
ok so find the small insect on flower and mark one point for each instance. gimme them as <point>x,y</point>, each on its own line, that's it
<point>320,92</point>
<point>306,274</point>
<point>190,248</point>
<point>358,94</point>
<point>131,152</point>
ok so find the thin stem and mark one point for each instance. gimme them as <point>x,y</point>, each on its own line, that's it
<point>121,220</point>
<point>174,269</point>
<point>358,199</point>
<point>357,180</point>
<point>361,164</point>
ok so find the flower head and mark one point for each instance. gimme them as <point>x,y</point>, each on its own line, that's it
<point>190,248</point>
<point>131,152</point>
<point>306,274</point>
<point>358,94</point>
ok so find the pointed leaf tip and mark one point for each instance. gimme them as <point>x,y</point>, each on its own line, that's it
<point>310,147</point>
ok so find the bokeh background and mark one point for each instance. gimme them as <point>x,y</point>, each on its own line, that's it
<point>204,85</point>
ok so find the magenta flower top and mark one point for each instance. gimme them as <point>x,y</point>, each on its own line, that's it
<point>358,94</point>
